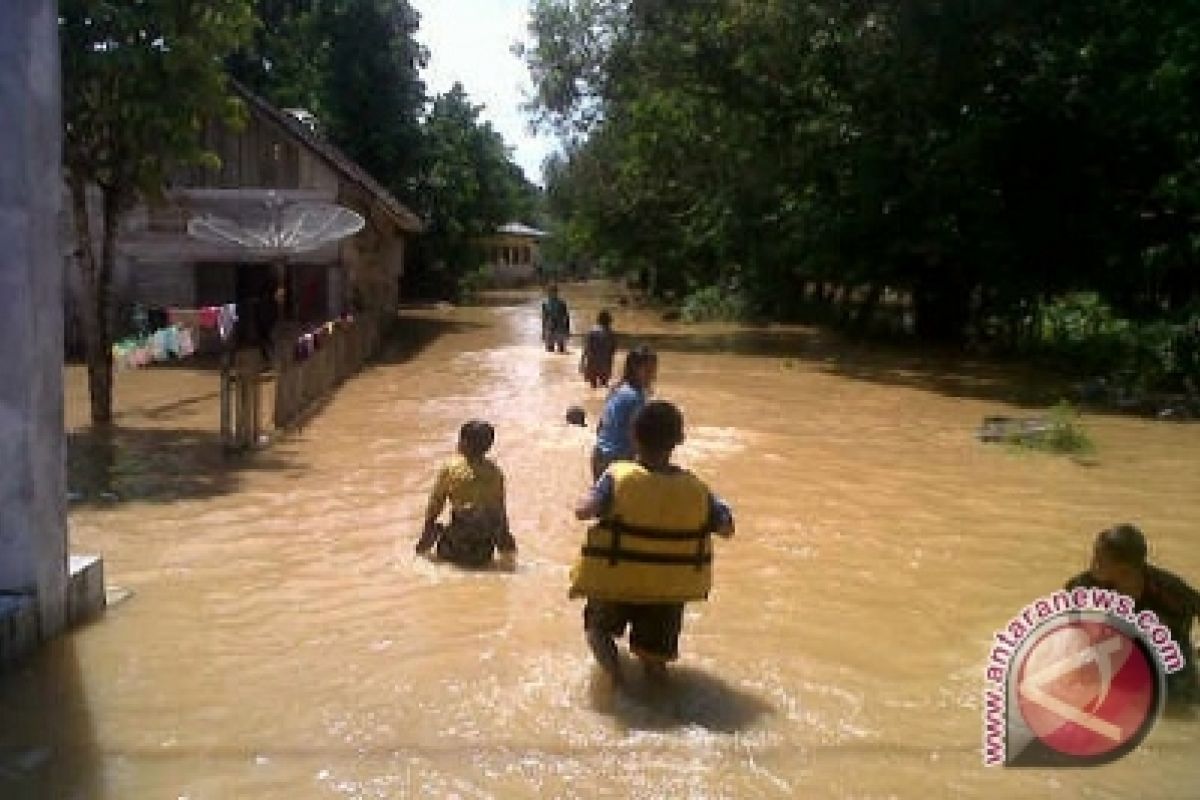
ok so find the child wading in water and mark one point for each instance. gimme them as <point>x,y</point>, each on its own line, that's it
<point>614,437</point>
<point>651,550</point>
<point>599,349</point>
<point>474,485</point>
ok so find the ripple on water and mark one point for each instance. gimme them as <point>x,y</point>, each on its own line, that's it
<point>279,613</point>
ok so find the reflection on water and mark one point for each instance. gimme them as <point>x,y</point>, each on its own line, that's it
<point>47,746</point>
<point>284,642</point>
<point>692,698</point>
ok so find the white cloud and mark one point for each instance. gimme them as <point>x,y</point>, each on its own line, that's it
<point>470,41</point>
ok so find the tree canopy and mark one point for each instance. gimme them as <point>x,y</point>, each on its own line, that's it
<point>977,157</point>
<point>356,65</point>
<point>139,80</point>
<point>468,185</point>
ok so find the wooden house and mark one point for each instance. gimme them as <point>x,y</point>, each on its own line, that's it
<point>275,153</point>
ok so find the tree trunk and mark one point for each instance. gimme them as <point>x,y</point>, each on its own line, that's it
<point>866,310</point>
<point>942,311</point>
<point>97,285</point>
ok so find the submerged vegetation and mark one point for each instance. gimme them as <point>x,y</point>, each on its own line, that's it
<point>1060,431</point>
<point>1064,433</point>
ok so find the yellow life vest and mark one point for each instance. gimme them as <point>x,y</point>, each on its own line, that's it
<point>653,546</point>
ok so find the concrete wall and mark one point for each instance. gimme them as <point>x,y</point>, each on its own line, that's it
<point>33,522</point>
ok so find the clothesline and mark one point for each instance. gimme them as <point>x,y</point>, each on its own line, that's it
<point>178,338</point>
<point>309,343</point>
<point>221,318</point>
<point>164,344</point>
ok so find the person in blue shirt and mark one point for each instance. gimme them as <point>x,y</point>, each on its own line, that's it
<point>614,437</point>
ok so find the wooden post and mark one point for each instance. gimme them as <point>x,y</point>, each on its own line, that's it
<point>256,408</point>
<point>227,395</point>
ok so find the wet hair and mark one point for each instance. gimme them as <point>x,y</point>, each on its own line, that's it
<point>576,416</point>
<point>634,360</point>
<point>604,319</point>
<point>476,438</point>
<point>1124,544</point>
<point>658,427</point>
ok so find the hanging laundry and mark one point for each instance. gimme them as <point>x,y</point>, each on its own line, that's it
<point>209,316</point>
<point>157,346</point>
<point>226,320</point>
<point>163,344</point>
<point>187,345</point>
<point>188,318</point>
<point>171,341</point>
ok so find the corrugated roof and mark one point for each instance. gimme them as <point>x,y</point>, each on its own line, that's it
<point>330,154</point>
<point>518,229</point>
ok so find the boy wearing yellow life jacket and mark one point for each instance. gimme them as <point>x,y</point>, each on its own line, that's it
<point>651,550</point>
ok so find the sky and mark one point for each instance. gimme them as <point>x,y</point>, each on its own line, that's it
<point>470,41</point>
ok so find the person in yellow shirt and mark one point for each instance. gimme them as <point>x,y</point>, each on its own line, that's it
<point>474,487</point>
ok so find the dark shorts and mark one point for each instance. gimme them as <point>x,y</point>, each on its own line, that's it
<point>654,627</point>
<point>465,553</point>
<point>467,542</point>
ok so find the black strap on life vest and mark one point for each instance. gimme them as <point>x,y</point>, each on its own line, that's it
<point>615,552</point>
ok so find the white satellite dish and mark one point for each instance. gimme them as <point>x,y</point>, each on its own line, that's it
<point>279,228</point>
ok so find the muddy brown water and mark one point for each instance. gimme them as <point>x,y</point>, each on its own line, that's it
<point>283,642</point>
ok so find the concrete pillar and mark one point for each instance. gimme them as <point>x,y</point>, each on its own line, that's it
<point>33,520</point>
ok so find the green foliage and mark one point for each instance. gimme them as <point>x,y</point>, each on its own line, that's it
<point>973,157</point>
<point>139,81</point>
<point>1083,330</point>
<point>472,284</point>
<point>355,64</point>
<point>374,89</point>
<point>288,58</point>
<point>1063,433</point>
<point>467,186</point>
<point>714,303</point>
<point>1158,355</point>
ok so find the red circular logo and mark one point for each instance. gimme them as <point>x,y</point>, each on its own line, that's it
<point>1086,688</point>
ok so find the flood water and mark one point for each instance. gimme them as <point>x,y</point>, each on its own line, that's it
<point>283,642</point>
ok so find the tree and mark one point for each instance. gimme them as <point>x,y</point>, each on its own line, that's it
<point>468,184</point>
<point>374,94</point>
<point>977,157</point>
<point>287,59</point>
<point>139,80</point>
<point>355,64</point>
